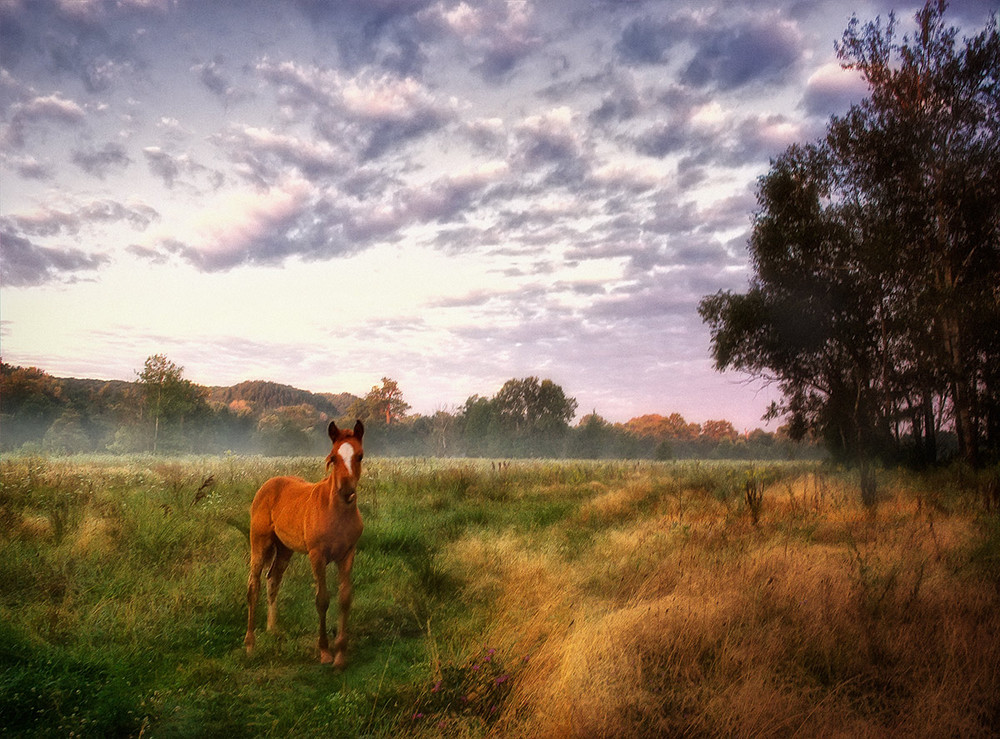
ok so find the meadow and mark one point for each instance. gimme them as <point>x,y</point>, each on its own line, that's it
<point>587,599</point>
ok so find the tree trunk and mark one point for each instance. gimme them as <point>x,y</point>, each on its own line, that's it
<point>961,395</point>
<point>930,432</point>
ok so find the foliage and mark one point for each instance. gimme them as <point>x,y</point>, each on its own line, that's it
<point>876,256</point>
<point>526,417</point>
<point>669,428</point>
<point>383,404</point>
<point>257,396</point>
<point>33,397</point>
<point>166,396</point>
<point>527,407</point>
<point>287,430</point>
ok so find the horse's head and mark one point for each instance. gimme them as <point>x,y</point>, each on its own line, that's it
<point>345,457</point>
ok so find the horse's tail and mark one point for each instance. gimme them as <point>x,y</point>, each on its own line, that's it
<point>240,523</point>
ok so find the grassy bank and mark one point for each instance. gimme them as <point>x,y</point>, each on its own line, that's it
<point>549,599</point>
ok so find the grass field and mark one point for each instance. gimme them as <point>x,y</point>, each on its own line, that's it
<point>535,599</point>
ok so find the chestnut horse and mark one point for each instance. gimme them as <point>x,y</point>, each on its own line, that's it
<point>319,519</point>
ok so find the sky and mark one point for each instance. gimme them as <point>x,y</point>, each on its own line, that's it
<point>449,194</point>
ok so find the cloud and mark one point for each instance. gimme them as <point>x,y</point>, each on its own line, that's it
<point>375,113</point>
<point>162,164</point>
<point>83,39</point>
<point>317,217</point>
<point>212,76</point>
<point>253,226</point>
<point>726,58</point>
<point>452,195</point>
<point>708,134</point>
<point>264,155</point>
<point>98,162</point>
<point>50,221</point>
<point>385,34</point>
<point>630,179</point>
<point>726,55</point>
<point>25,264</point>
<point>385,111</point>
<point>30,115</point>
<point>28,167</point>
<point>831,89</point>
<point>647,40</point>
<point>172,167</point>
<point>622,101</point>
<point>496,34</point>
<point>669,137</point>
<point>553,143</point>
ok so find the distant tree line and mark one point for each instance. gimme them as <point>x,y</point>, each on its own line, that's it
<point>161,412</point>
<point>874,304</point>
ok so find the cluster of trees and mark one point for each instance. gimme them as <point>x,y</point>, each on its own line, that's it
<point>162,412</point>
<point>874,303</point>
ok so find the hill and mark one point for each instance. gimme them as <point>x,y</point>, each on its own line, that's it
<point>262,395</point>
<point>70,414</point>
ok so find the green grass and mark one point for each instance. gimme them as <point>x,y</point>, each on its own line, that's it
<point>484,595</point>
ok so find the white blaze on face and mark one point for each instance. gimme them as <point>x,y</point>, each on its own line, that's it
<point>346,453</point>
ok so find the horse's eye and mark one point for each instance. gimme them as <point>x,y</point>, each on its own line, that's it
<point>360,457</point>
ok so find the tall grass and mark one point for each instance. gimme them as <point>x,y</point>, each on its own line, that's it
<point>536,598</point>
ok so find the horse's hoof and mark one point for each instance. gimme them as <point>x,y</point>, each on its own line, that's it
<point>340,662</point>
<point>325,657</point>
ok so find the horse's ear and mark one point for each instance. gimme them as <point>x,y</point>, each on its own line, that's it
<point>333,431</point>
<point>359,430</point>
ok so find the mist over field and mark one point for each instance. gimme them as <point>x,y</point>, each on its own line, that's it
<point>163,412</point>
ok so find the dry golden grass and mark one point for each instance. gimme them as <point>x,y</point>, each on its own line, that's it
<point>679,617</point>
<point>95,534</point>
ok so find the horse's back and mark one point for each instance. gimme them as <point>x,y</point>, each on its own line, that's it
<point>277,489</point>
<point>278,510</point>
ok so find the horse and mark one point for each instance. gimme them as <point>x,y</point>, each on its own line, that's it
<point>321,520</point>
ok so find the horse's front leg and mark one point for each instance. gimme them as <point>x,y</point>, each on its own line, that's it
<point>318,561</point>
<point>345,593</point>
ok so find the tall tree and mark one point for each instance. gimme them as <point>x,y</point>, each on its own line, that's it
<point>925,147</point>
<point>166,395</point>
<point>383,402</point>
<point>527,406</point>
<point>876,253</point>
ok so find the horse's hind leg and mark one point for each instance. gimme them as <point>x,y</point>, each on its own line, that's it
<point>261,552</point>
<point>282,555</point>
